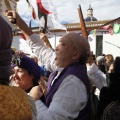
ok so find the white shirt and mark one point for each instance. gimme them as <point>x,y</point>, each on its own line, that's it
<point>33,107</point>
<point>71,96</point>
<point>97,77</point>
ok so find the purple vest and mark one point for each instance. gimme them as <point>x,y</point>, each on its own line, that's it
<point>79,71</point>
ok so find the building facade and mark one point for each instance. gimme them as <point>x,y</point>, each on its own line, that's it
<point>101,41</point>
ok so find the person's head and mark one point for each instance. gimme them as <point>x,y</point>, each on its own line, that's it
<point>27,73</point>
<point>6,38</point>
<point>109,58</point>
<point>100,60</point>
<point>72,48</point>
<point>114,74</point>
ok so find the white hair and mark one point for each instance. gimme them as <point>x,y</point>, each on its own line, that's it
<point>79,43</point>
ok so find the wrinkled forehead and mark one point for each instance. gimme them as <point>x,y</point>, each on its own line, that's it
<point>63,39</point>
<point>67,39</point>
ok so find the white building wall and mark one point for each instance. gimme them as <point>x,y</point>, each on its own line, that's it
<point>92,42</point>
<point>20,44</point>
<point>111,44</point>
<point>54,41</point>
<point>55,37</point>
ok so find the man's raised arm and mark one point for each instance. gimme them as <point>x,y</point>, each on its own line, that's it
<point>14,17</point>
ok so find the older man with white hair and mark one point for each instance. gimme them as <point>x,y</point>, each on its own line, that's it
<point>68,95</point>
<point>71,85</point>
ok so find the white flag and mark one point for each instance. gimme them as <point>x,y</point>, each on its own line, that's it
<point>48,8</point>
<point>52,23</point>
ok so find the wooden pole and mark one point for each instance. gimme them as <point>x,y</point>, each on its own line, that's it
<point>45,40</point>
<point>7,4</point>
<point>82,23</point>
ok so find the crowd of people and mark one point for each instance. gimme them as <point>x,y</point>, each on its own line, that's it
<point>71,84</point>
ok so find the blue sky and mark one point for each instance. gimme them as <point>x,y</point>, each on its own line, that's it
<point>68,13</point>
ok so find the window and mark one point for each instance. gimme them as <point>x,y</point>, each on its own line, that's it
<point>99,45</point>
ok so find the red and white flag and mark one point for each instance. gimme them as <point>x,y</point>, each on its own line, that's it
<point>109,28</point>
<point>47,7</point>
